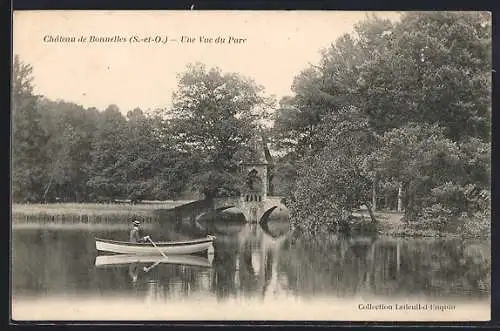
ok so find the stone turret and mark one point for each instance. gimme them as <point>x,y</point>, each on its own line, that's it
<point>254,168</point>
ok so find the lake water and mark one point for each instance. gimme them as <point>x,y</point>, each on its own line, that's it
<point>255,273</point>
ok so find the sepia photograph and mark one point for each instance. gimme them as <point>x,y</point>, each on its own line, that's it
<point>202,165</point>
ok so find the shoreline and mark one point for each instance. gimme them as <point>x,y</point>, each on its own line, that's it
<point>423,234</point>
<point>116,215</point>
<point>389,224</point>
<point>149,225</point>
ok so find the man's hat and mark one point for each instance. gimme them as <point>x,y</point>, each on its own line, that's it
<point>136,222</point>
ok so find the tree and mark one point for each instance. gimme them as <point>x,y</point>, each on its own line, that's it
<point>421,158</point>
<point>333,183</point>
<point>28,138</point>
<point>426,68</point>
<point>423,85</point>
<point>329,87</point>
<point>107,175</point>
<point>141,156</point>
<point>215,115</point>
<point>152,161</point>
<point>433,68</point>
<point>70,129</point>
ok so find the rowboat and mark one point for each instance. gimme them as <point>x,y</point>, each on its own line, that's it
<point>147,248</point>
<point>127,259</point>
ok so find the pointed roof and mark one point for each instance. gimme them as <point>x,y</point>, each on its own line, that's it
<point>259,158</point>
<point>265,147</point>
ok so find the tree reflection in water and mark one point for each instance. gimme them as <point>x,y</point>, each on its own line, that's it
<point>387,266</point>
<point>248,267</point>
<point>134,272</point>
<point>263,265</point>
<point>255,262</point>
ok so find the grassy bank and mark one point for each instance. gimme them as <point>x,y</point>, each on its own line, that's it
<point>92,208</point>
<point>77,226</point>
<point>391,224</point>
<point>86,213</point>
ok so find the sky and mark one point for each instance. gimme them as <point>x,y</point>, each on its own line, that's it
<point>274,47</point>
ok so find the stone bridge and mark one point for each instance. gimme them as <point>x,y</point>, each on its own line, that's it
<point>255,210</point>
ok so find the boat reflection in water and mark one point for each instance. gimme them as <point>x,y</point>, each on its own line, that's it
<point>125,259</point>
<point>137,264</point>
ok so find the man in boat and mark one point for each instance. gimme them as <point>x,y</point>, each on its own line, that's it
<point>135,235</point>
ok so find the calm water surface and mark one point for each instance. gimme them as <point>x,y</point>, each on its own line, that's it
<point>252,268</point>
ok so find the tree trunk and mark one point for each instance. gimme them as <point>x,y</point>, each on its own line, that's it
<point>370,211</point>
<point>374,196</point>
<point>400,197</point>
<point>398,258</point>
<point>371,266</point>
<point>47,189</point>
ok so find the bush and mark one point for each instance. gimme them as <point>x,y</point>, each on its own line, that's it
<point>316,217</point>
<point>360,225</point>
<point>454,209</point>
<point>436,217</point>
<point>452,196</point>
<point>477,225</point>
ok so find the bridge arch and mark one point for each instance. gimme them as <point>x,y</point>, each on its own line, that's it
<point>212,213</point>
<point>265,216</point>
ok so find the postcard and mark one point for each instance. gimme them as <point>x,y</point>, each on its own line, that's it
<point>203,165</point>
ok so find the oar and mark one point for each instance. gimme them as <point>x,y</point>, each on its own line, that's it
<point>157,262</point>
<point>152,266</point>
<point>159,250</point>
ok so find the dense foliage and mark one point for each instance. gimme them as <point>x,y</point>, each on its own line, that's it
<point>64,152</point>
<point>396,108</point>
<point>29,175</point>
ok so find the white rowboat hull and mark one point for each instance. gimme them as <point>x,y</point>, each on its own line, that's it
<point>167,248</point>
